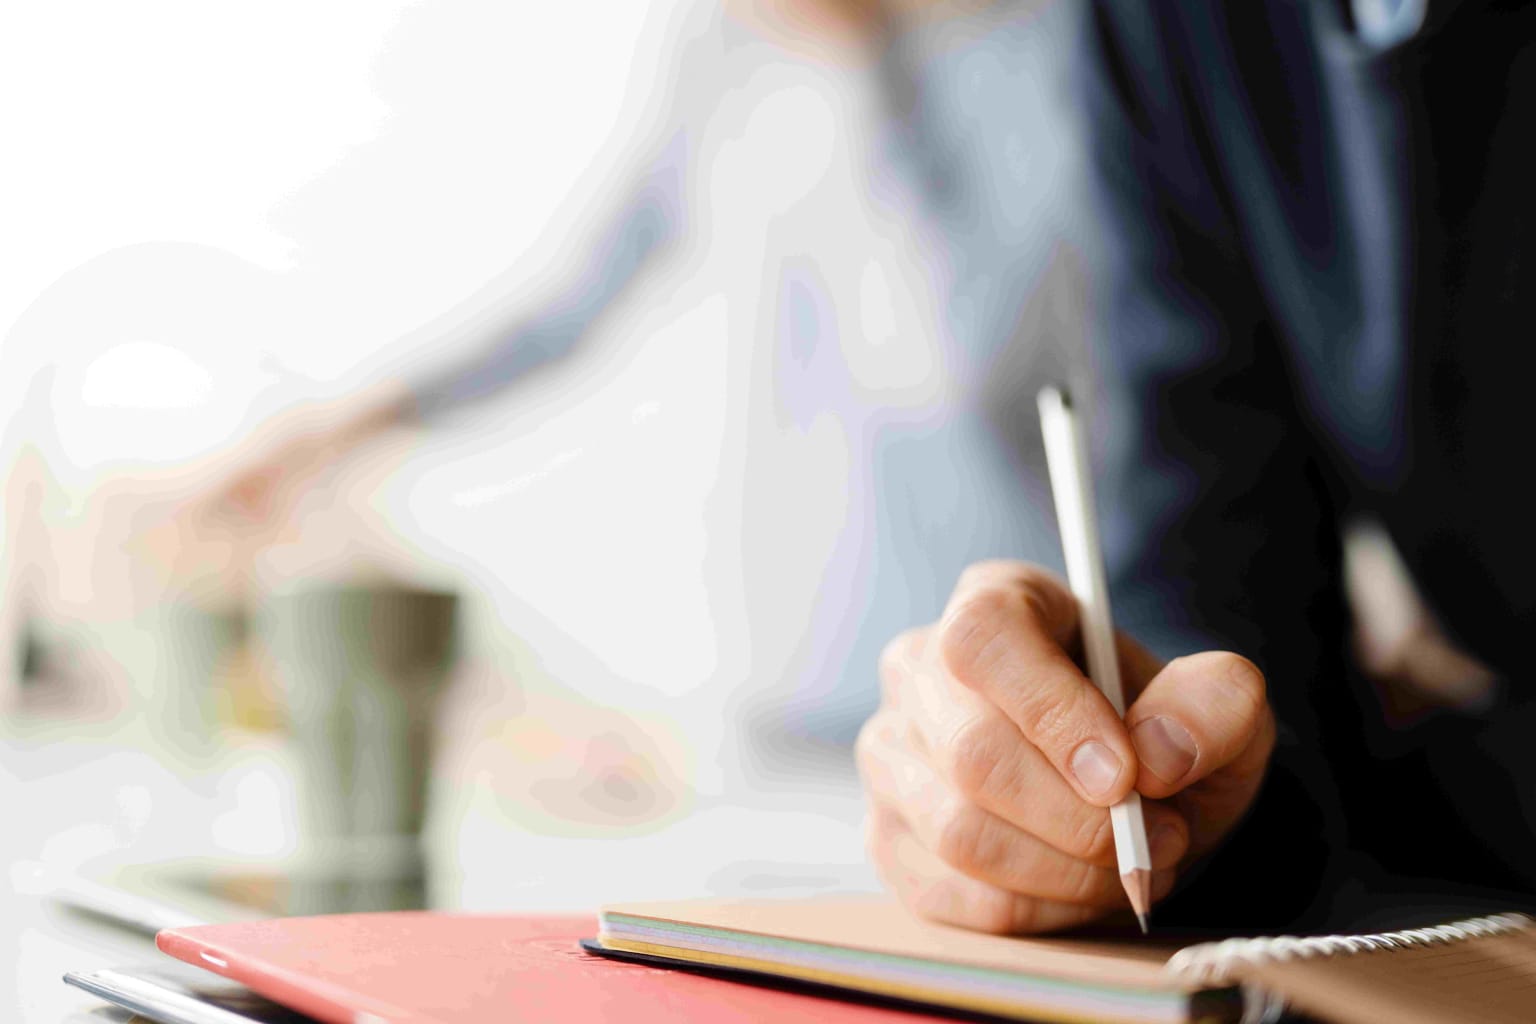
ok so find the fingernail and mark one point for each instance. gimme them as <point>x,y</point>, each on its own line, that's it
<point>1096,767</point>
<point>1165,747</point>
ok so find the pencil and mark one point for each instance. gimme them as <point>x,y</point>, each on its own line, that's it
<point>1066,453</point>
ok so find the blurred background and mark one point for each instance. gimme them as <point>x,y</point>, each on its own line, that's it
<point>473,454</point>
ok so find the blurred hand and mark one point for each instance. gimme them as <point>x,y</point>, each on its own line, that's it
<point>297,452</point>
<point>992,762</point>
<point>798,23</point>
<point>197,534</point>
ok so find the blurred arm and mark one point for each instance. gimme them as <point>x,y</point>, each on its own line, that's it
<point>652,217</point>
<point>294,452</point>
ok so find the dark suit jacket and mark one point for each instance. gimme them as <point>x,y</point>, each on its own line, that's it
<point>1317,291</point>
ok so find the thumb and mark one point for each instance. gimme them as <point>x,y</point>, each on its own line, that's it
<point>1200,715</point>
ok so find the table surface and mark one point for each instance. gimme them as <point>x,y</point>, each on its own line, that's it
<point>96,800</point>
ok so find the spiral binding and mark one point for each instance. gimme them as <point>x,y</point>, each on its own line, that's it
<point>1212,963</point>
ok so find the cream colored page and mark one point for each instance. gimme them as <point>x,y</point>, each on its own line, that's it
<point>881,925</point>
<point>1489,980</point>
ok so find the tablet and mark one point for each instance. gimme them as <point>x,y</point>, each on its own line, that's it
<point>178,994</point>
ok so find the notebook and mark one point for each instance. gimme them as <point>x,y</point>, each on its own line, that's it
<point>1481,969</point>
<point>419,967</point>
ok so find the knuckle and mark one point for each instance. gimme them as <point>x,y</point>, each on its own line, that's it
<point>935,899</point>
<point>971,757</point>
<point>1245,691</point>
<point>878,730</point>
<point>1092,835</point>
<point>873,838</point>
<point>970,631</point>
<point>959,836</point>
<point>894,661</point>
<point>989,571</point>
<point>910,736</point>
<point>880,740</point>
<point>865,747</point>
<point>1084,883</point>
<point>1032,576</point>
<point>1051,719</point>
<point>1047,597</point>
<point>1017,914</point>
<point>1018,579</point>
<point>961,901</point>
<point>888,870</point>
<point>881,827</point>
<point>998,912</point>
<point>1246,678</point>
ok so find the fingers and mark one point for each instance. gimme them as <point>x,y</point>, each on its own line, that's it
<point>982,756</point>
<point>1007,634</point>
<point>993,760</point>
<point>990,764</point>
<point>980,752</point>
<point>935,890</point>
<point>1199,715</point>
<point>899,663</point>
<point>931,889</point>
<point>968,839</point>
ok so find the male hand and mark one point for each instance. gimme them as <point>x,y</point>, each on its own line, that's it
<point>993,760</point>
<point>298,450</point>
<point>199,535</point>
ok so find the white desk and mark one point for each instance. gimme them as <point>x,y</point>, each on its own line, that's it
<point>93,801</point>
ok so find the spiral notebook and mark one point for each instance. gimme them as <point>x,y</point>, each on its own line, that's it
<point>1480,969</point>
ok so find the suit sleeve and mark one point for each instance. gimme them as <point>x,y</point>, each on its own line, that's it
<point>1218,512</point>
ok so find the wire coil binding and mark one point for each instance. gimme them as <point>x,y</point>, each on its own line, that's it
<point>1211,963</point>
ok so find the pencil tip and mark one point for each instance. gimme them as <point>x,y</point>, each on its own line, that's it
<point>1138,886</point>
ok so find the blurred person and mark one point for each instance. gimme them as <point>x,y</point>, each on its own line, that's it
<point>1313,270</point>
<point>969,150</point>
<point>655,214</point>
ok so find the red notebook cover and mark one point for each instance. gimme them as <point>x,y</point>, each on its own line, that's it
<point>414,968</point>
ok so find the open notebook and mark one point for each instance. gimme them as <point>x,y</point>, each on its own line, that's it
<point>1482,969</point>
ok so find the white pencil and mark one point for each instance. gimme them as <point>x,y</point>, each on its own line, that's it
<point>1066,452</point>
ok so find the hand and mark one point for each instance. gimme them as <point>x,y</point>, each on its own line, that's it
<point>297,451</point>
<point>242,500</point>
<point>992,760</point>
<point>257,494</point>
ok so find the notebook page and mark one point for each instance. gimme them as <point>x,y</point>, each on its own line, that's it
<point>1491,980</point>
<point>880,925</point>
